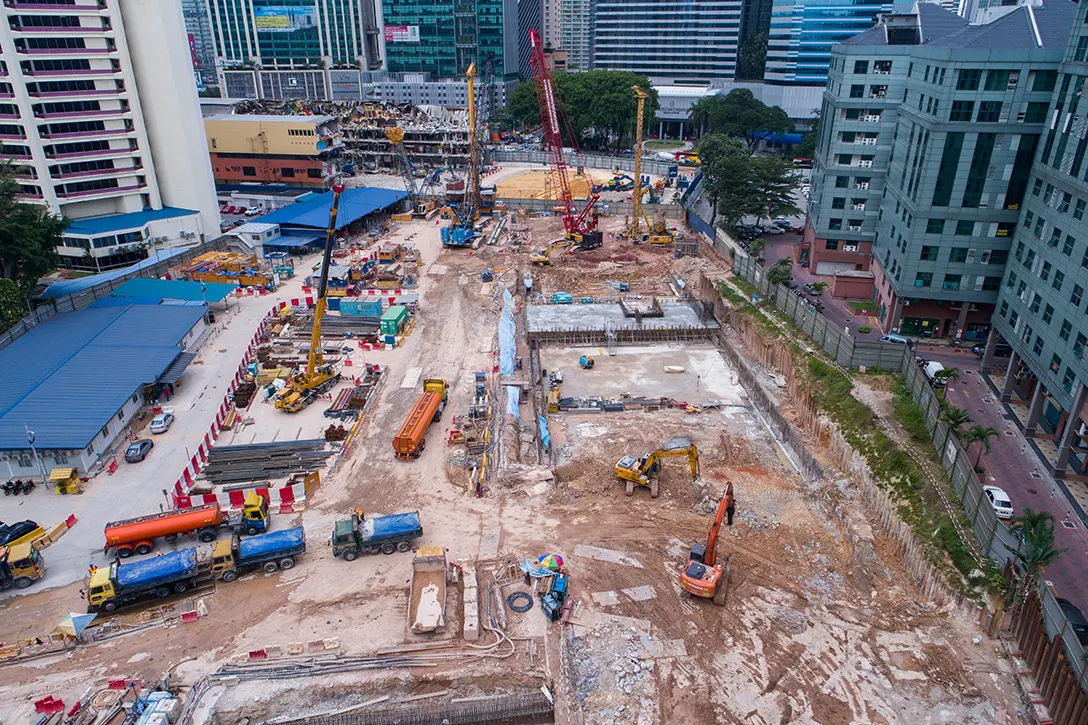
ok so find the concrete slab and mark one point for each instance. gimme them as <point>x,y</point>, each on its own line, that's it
<point>592,317</point>
<point>606,599</point>
<point>640,371</point>
<point>643,593</point>
<point>607,555</point>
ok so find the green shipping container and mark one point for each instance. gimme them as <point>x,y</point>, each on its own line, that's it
<point>393,320</point>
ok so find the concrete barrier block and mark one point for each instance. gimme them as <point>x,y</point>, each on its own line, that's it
<point>296,648</point>
<point>315,645</point>
<point>332,643</point>
<point>229,681</point>
<point>470,578</point>
<point>274,651</point>
<point>239,659</point>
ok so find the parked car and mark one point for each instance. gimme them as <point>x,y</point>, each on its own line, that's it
<point>781,221</point>
<point>242,210</point>
<point>162,422</point>
<point>809,288</point>
<point>898,339</point>
<point>254,211</point>
<point>773,229</point>
<point>931,368</point>
<point>999,500</point>
<point>138,450</point>
<point>1076,620</point>
<point>16,531</point>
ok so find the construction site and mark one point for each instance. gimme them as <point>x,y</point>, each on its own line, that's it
<point>538,485</point>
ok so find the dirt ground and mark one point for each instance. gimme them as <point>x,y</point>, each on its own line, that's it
<point>813,630</point>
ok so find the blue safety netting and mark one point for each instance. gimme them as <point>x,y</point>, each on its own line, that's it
<point>508,348</point>
<point>545,436</point>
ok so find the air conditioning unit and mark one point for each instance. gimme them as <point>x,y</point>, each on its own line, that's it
<point>862,185</point>
<point>869,141</point>
<point>882,72</point>
<point>871,119</point>
<point>857,207</point>
<point>853,229</point>
<point>865,164</point>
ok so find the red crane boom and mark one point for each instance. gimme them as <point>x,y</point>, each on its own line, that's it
<point>574,222</point>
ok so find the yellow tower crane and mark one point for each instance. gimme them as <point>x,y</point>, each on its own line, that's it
<point>657,231</point>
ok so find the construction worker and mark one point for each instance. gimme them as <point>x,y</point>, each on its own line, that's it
<point>91,569</point>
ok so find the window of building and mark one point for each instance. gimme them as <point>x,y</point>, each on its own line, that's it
<point>842,182</point>
<point>838,202</point>
<point>852,114</point>
<point>1037,230</point>
<point>923,279</point>
<point>961,111</point>
<point>1037,188</point>
<point>1003,310</point>
<point>835,224</point>
<point>996,80</point>
<point>1037,348</point>
<point>935,226</point>
<point>1068,245</point>
<point>1067,329</point>
<point>1055,363</point>
<point>1048,314</point>
<point>313,173</point>
<point>929,254</point>
<point>881,67</point>
<point>857,91</point>
<point>991,284</point>
<point>1029,260</point>
<point>849,136</point>
<point>1036,112</point>
<point>287,172</point>
<point>1063,205</point>
<point>1059,279</point>
<point>952,281</point>
<point>1078,346</point>
<point>1078,210</point>
<point>1036,300</point>
<point>958,254</point>
<point>1044,272</point>
<point>968,79</point>
<point>861,67</point>
<point>1076,295</point>
<point>965,228</point>
<point>249,171</point>
<point>1068,379</point>
<point>831,244</point>
<point>1082,48</point>
<point>104,432</point>
<point>1044,81</point>
<point>989,111</point>
<point>1055,237</point>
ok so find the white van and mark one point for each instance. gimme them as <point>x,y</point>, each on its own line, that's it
<point>931,369</point>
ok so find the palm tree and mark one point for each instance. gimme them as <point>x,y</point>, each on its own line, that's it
<point>980,434</point>
<point>756,247</point>
<point>1037,551</point>
<point>955,418</point>
<point>946,376</point>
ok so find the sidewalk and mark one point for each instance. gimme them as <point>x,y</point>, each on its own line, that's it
<point>1014,465</point>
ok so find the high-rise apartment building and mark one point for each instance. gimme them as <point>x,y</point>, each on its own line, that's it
<point>929,129</point>
<point>201,46</point>
<point>576,32</point>
<point>530,17</point>
<point>443,38</point>
<point>1042,310</point>
<point>664,39</point>
<point>802,32</point>
<point>103,125</point>
<point>295,33</point>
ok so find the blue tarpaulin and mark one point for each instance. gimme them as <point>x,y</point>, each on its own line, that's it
<point>157,569</point>
<point>508,348</point>
<point>545,436</point>
<point>289,541</point>
<point>382,527</point>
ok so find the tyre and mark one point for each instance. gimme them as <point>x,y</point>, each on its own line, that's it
<point>349,556</point>
<point>404,546</point>
<point>124,552</point>
<point>229,576</point>
<point>143,548</point>
<point>422,447</point>
<point>23,582</point>
<point>181,587</point>
<point>170,538</point>
<point>207,535</point>
<point>375,549</point>
<point>270,567</point>
<point>251,531</point>
<point>388,548</point>
<point>162,592</point>
<point>109,607</point>
<point>287,563</point>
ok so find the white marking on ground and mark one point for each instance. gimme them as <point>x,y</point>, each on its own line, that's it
<point>411,377</point>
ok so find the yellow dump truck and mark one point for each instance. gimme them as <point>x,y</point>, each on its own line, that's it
<point>20,565</point>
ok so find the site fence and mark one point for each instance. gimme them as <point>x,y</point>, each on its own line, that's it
<point>593,161</point>
<point>613,208</point>
<point>995,539</point>
<point>86,297</point>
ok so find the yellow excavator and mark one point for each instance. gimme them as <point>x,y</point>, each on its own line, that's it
<point>543,256</point>
<point>644,471</point>
<point>305,385</point>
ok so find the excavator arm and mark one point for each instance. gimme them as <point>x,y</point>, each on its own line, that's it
<point>711,557</point>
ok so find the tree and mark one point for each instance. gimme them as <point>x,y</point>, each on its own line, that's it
<point>752,58</point>
<point>725,162</point>
<point>944,378</point>
<point>774,182</point>
<point>1037,552</point>
<point>979,434</point>
<point>29,236</point>
<point>781,272</point>
<point>818,287</point>
<point>741,115</point>
<point>12,304</point>
<point>807,148</point>
<point>756,248</point>
<point>955,418</point>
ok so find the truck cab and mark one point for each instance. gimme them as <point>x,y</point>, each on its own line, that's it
<point>100,590</point>
<point>223,556</point>
<point>254,514</point>
<point>345,538</point>
<point>20,566</point>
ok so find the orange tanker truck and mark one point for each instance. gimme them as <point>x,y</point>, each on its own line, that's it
<point>138,535</point>
<point>409,443</point>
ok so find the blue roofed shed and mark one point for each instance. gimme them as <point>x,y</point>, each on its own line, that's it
<point>355,204</point>
<point>157,290</point>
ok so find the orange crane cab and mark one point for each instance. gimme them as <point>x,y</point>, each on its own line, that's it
<point>704,576</point>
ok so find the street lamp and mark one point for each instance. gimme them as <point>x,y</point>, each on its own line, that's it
<point>31,436</point>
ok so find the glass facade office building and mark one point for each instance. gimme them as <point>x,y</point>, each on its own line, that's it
<point>803,31</point>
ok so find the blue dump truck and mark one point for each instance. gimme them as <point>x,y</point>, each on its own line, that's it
<point>155,578</point>
<point>231,559</point>
<point>179,571</point>
<point>384,534</point>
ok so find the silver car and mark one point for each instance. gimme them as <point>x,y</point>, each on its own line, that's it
<point>162,422</point>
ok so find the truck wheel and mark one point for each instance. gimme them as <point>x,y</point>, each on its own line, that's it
<point>207,535</point>
<point>109,607</point>
<point>170,538</point>
<point>388,549</point>
<point>287,563</point>
<point>404,546</point>
<point>162,592</point>
<point>251,531</point>
<point>375,549</point>
<point>181,587</point>
<point>124,552</point>
<point>270,567</point>
<point>144,548</point>
<point>229,576</point>
<point>349,556</point>
<point>23,582</point>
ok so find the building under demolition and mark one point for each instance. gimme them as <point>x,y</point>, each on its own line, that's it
<point>434,136</point>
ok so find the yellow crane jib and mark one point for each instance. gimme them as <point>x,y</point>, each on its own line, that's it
<point>640,101</point>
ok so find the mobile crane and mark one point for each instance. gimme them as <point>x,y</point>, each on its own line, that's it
<point>703,576</point>
<point>461,231</point>
<point>580,226</point>
<point>306,385</point>
<point>421,203</point>
<point>657,232</point>
<point>644,471</point>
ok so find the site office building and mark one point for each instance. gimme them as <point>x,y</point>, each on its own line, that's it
<point>266,149</point>
<point>930,127</point>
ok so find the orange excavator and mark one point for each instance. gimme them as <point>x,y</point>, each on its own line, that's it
<point>704,576</point>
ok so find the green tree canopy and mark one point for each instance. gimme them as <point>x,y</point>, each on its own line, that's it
<point>741,115</point>
<point>807,148</point>
<point>599,105</point>
<point>739,183</point>
<point>29,236</point>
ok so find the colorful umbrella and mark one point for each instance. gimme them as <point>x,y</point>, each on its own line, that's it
<point>74,624</point>
<point>551,561</point>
